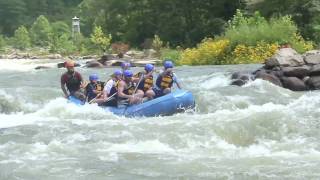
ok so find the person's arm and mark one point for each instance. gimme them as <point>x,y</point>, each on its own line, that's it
<point>121,89</point>
<point>63,87</point>
<point>83,84</point>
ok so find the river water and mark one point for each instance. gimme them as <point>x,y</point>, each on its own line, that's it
<point>258,131</point>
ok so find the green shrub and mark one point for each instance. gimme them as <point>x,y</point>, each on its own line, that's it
<point>21,39</point>
<point>100,40</point>
<point>249,31</point>
<point>172,54</point>
<point>41,32</point>
<point>2,43</point>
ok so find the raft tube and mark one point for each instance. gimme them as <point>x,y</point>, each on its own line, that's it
<point>175,102</point>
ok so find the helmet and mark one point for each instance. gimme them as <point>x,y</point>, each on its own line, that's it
<point>117,72</point>
<point>125,64</point>
<point>69,63</point>
<point>148,67</point>
<point>127,73</point>
<point>93,77</point>
<point>167,64</point>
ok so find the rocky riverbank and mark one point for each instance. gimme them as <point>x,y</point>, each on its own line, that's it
<point>136,58</point>
<point>287,69</point>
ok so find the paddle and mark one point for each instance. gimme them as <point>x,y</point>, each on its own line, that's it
<point>92,100</point>
<point>109,98</point>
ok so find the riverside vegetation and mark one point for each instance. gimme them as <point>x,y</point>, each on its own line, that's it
<point>229,36</point>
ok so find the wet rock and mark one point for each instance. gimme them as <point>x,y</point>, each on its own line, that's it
<point>269,77</point>
<point>42,67</point>
<point>299,72</point>
<point>238,82</point>
<point>293,83</point>
<point>315,70</point>
<point>94,64</point>
<point>314,82</point>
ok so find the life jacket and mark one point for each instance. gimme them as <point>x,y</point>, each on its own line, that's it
<point>97,87</point>
<point>129,90</point>
<point>165,81</point>
<point>114,88</point>
<point>73,82</point>
<point>146,83</point>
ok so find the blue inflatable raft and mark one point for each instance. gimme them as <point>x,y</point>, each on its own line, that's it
<point>177,101</point>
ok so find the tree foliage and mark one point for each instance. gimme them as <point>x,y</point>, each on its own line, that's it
<point>21,39</point>
<point>100,40</point>
<point>41,31</point>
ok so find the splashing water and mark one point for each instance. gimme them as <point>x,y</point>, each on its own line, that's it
<point>259,131</point>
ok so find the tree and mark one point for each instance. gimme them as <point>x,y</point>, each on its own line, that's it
<point>61,44</point>
<point>21,39</point>
<point>12,15</point>
<point>41,31</point>
<point>60,39</point>
<point>99,39</point>
<point>2,43</point>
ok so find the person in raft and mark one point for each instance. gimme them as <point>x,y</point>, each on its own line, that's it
<point>146,78</point>
<point>109,96</point>
<point>125,66</point>
<point>94,89</point>
<point>127,91</point>
<point>165,80</point>
<point>72,82</point>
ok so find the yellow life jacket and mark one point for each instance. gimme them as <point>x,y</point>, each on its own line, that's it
<point>166,81</point>
<point>148,83</point>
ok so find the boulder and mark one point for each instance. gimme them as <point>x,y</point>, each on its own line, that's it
<point>312,52</point>
<point>314,82</point>
<point>315,70</point>
<point>299,72</point>
<point>240,78</point>
<point>312,59</point>
<point>94,64</point>
<point>42,67</point>
<point>293,83</point>
<point>285,57</point>
<point>238,82</point>
<point>269,77</point>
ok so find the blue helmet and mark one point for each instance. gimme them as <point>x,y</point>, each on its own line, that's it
<point>117,72</point>
<point>93,77</point>
<point>148,67</point>
<point>167,64</point>
<point>125,64</point>
<point>127,73</point>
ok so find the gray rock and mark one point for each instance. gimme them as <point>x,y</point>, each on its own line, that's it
<point>314,82</point>
<point>315,70</point>
<point>269,77</point>
<point>293,83</point>
<point>312,59</point>
<point>312,52</point>
<point>285,57</point>
<point>238,82</point>
<point>299,72</point>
